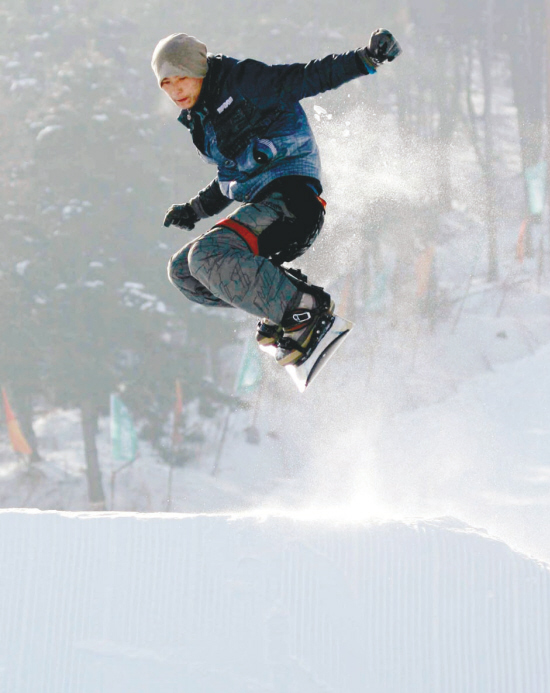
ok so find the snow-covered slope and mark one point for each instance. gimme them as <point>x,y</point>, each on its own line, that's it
<point>209,604</point>
<point>480,454</point>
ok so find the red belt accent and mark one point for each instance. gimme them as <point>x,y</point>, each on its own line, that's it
<point>246,234</point>
<point>323,202</point>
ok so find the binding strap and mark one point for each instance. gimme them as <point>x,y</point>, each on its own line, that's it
<point>245,233</point>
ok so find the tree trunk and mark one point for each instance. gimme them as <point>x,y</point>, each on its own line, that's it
<point>486,55</point>
<point>96,495</point>
<point>491,220</point>
<point>547,8</point>
<point>447,103</point>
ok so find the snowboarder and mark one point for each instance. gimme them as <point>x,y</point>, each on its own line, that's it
<point>245,117</point>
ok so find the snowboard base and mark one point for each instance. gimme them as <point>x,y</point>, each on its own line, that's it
<point>304,374</point>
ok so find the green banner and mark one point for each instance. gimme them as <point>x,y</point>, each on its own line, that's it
<point>376,300</point>
<point>535,177</point>
<point>123,433</point>
<point>250,372</point>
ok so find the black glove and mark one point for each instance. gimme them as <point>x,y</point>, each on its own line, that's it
<point>183,216</point>
<point>382,46</point>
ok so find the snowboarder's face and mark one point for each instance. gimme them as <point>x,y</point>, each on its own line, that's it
<point>184,91</point>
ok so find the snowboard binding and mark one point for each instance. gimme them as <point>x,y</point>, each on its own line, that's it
<point>268,333</point>
<point>304,327</point>
<point>307,336</point>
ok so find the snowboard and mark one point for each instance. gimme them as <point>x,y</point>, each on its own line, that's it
<point>304,373</point>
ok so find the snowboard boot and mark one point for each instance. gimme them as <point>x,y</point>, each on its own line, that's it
<point>305,326</point>
<point>268,334</point>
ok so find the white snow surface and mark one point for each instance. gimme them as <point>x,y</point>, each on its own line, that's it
<point>209,603</point>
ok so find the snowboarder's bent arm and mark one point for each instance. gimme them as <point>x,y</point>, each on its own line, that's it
<point>206,203</point>
<point>210,200</point>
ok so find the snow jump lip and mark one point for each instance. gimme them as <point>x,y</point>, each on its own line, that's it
<point>146,603</point>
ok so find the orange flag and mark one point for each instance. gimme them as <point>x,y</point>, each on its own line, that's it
<point>520,247</point>
<point>346,299</point>
<point>17,439</point>
<point>423,270</point>
<point>178,408</point>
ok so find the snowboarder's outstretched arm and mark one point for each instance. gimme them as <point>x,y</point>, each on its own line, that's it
<point>300,80</point>
<point>206,203</point>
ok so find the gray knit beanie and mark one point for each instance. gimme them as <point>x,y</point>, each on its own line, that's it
<point>179,55</point>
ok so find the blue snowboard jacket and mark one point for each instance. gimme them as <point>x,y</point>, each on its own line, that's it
<point>248,121</point>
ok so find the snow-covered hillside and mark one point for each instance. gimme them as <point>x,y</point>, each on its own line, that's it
<point>476,450</point>
<point>116,603</point>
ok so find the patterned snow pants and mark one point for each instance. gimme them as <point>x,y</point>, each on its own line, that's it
<point>231,265</point>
